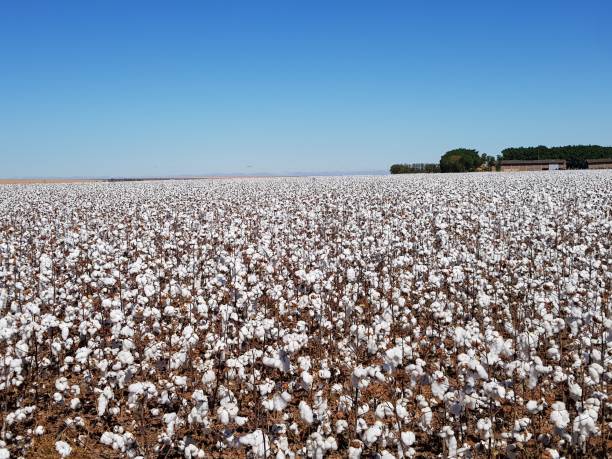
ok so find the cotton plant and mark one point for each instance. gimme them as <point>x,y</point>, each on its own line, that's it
<point>356,316</point>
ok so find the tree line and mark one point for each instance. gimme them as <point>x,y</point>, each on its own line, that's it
<point>575,155</point>
<point>470,160</point>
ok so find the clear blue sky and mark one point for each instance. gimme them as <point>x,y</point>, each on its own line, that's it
<point>164,88</point>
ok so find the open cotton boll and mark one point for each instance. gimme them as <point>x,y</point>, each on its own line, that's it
<point>125,357</point>
<point>553,453</point>
<point>61,384</point>
<point>394,357</point>
<point>171,420</point>
<point>448,436</point>
<point>114,440</point>
<point>534,407</point>
<point>383,410</point>
<point>584,426</point>
<point>559,415</point>
<point>439,385</point>
<point>317,446</point>
<point>306,379</point>
<point>305,412</point>
<point>373,433</point>
<point>281,401</point>
<point>63,448</point>
<point>193,452</point>
<point>484,428</point>
<point>595,372</point>
<point>116,316</point>
<point>105,396</point>
<point>354,452</point>
<point>208,377</point>
<point>149,290</point>
<point>408,438</point>
<point>278,361</point>
<point>258,442</point>
<point>341,426</point>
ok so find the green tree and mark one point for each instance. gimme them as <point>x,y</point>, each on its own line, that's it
<point>461,160</point>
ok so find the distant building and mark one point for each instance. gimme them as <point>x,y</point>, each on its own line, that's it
<point>517,165</point>
<point>603,163</point>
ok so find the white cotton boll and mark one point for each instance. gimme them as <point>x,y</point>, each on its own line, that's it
<point>75,404</point>
<point>482,373</point>
<point>208,377</point>
<point>103,398</point>
<point>351,275</point>
<point>116,316</point>
<point>224,416</point>
<point>193,452</point>
<point>484,428</point>
<point>57,397</point>
<point>559,415</point>
<point>177,359</point>
<point>383,410</point>
<point>595,372</point>
<point>149,290</point>
<point>278,362</point>
<point>448,435</point>
<point>439,385</point>
<point>180,381</point>
<point>324,373</point>
<point>574,389</point>
<point>258,442</point>
<point>304,362</point>
<point>63,448</point>
<point>82,355</point>
<point>102,403</point>
<point>281,401</point>
<point>61,384</point>
<point>393,357</point>
<point>341,426</point>
<point>266,387</point>
<point>305,412</point>
<point>553,453</point>
<point>125,357</point>
<point>363,409</point>
<point>372,434</point>
<point>345,403</point>
<point>170,419</point>
<point>553,353</point>
<point>359,378</point>
<point>533,407</point>
<point>401,409</point>
<point>354,452</point>
<point>408,438</point>
<point>585,426</point>
<point>494,390</point>
<point>484,300</point>
<point>40,430</point>
<point>241,420</point>
<point>306,379</point>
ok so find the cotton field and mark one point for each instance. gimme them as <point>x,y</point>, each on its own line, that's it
<point>373,317</point>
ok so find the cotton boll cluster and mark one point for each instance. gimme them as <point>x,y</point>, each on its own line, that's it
<point>431,315</point>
